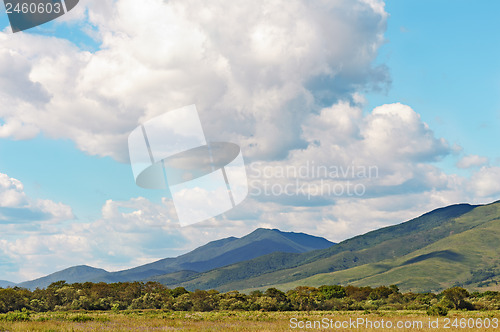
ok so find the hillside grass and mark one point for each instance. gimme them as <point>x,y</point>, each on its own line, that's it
<point>459,259</point>
<point>373,247</point>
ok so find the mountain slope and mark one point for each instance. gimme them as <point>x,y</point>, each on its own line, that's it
<point>470,259</point>
<point>386,243</point>
<point>210,256</point>
<point>5,284</point>
<point>74,274</point>
<point>225,252</point>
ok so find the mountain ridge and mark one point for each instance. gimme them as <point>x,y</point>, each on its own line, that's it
<point>456,245</point>
<point>277,267</point>
<point>6,284</point>
<point>466,259</point>
<point>209,256</point>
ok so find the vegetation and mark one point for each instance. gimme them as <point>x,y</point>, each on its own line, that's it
<point>16,303</point>
<point>154,320</point>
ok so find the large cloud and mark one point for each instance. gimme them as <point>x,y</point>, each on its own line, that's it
<point>255,69</point>
<point>386,152</point>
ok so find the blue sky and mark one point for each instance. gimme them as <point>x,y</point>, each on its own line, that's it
<point>444,61</point>
<point>290,86</point>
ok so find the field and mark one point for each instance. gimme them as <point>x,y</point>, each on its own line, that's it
<point>160,320</point>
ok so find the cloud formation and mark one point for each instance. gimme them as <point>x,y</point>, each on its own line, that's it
<point>16,207</point>
<point>472,161</point>
<point>283,79</point>
<point>255,69</point>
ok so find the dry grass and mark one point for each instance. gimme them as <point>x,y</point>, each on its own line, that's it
<point>158,320</point>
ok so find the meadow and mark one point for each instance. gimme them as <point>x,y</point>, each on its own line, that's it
<point>161,320</point>
<point>153,307</point>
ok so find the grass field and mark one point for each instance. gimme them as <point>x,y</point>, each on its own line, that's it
<point>158,320</point>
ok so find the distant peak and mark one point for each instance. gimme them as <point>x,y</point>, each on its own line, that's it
<point>266,230</point>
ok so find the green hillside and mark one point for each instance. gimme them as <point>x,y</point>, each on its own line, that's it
<point>469,259</point>
<point>430,252</point>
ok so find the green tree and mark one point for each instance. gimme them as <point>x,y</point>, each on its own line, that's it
<point>332,292</point>
<point>457,296</point>
<point>304,298</point>
<point>204,301</point>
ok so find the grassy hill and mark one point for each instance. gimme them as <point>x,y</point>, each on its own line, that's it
<point>470,258</point>
<point>406,254</point>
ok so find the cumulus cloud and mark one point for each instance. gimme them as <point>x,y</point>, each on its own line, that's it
<point>254,69</point>
<point>486,182</point>
<point>16,207</point>
<point>472,161</point>
<point>348,154</point>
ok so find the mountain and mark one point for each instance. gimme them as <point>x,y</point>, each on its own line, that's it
<point>5,284</point>
<point>406,254</point>
<point>456,245</point>
<point>470,258</point>
<point>210,256</point>
<point>71,275</point>
<point>225,252</point>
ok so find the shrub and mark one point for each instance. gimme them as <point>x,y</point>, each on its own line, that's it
<point>16,316</point>
<point>332,292</point>
<point>437,310</point>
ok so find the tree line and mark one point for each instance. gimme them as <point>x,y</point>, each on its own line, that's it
<point>60,296</point>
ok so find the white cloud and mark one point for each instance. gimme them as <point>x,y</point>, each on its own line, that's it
<point>24,223</point>
<point>11,192</point>
<point>138,231</point>
<point>247,65</point>
<point>256,70</point>
<point>472,161</point>
<point>16,207</point>
<point>129,233</point>
<point>386,152</point>
<point>486,182</point>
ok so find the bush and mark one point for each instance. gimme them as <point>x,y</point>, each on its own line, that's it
<point>437,310</point>
<point>456,296</point>
<point>16,316</point>
<point>332,292</point>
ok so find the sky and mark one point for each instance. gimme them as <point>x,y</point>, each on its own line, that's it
<point>351,115</point>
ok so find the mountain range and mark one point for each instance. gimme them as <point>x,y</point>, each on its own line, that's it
<point>210,256</point>
<point>458,245</point>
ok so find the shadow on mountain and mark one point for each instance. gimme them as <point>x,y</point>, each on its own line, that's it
<point>444,254</point>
